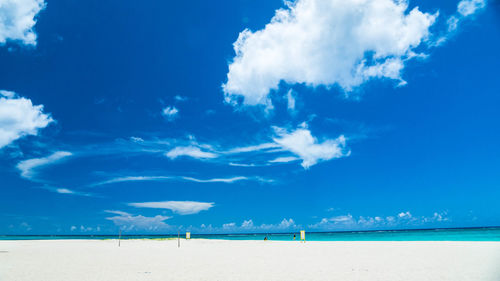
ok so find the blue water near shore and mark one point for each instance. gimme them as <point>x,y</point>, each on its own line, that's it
<point>457,234</point>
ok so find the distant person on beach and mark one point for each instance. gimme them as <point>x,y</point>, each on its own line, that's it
<point>265,238</point>
<point>294,236</point>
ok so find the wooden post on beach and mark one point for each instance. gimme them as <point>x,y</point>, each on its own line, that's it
<point>179,239</point>
<point>119,237</point>
<point>303,236</point>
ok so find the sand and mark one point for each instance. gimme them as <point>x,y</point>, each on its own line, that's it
<point>96,260</point>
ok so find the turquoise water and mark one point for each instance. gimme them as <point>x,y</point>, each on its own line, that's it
<point>463,234</point>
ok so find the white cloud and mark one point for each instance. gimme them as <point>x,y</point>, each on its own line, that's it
<point>290,97</point>
<point>25,226</point>
<point>85,228</point>
<point>298,142</point>
<point>284,159</point>
<point>132,178</point>
<point>64,191</point>
<point>170,113</point>
<point>139,222</point>
<point>229,225</point>
<point>223,180</point>
<point>279,147</point>
<point>7,94</point>
<point>69,191</point>
<point>178,178</point>
<point>342,219</point>
<point>465,9</point>
<point>285,224</point>
<point>377,222</point>
<point>137,139</point>
<point>28,167</point>
<point>248,225</point>
<point>19,117</point>
<point>452,23</point>
<point>317,42</point>
<point>469,7</point>
<point>179,207</point>
<point>180,98</point>
<point>438,217</point>
<point>17,19</point>
<point>253,148</point>
<point>308,148</point>
<point>404,215</point>
<point>242,164</point>
<point>190,151</point>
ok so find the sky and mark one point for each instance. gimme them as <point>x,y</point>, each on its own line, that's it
<point>248,116</point>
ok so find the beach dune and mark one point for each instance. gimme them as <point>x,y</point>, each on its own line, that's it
<point>200,259</point>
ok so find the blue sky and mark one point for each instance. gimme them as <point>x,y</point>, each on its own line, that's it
<point>248,116</point>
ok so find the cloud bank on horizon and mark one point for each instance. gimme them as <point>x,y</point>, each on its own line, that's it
<point>129,222</point>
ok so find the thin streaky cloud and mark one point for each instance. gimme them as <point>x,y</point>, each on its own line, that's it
<point>224,180</point>
<point>178,178</point>
<point>284,159</point>
<point>132,179</point>
<point>29,167</point>
<point>190,151</point>
<point>67,191</point>
<point>252,148</point>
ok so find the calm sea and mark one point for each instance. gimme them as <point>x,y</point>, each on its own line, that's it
<point>456,234</point>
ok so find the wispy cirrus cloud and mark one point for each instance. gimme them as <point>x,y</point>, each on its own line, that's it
<point>284,159</point>
<point>132,179</point>
<point>178,178</point>
<point>179,207</point>
<point>29,168</point>
<point>223,180</point>
<point>286,146</point>
<point>190,151</point>
<point>66,191</point>
<point>252,148</point>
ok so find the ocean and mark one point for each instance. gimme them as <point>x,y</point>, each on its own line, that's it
<point>455,234</point>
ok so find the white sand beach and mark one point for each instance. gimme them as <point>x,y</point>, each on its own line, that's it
<point>94,260</point>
